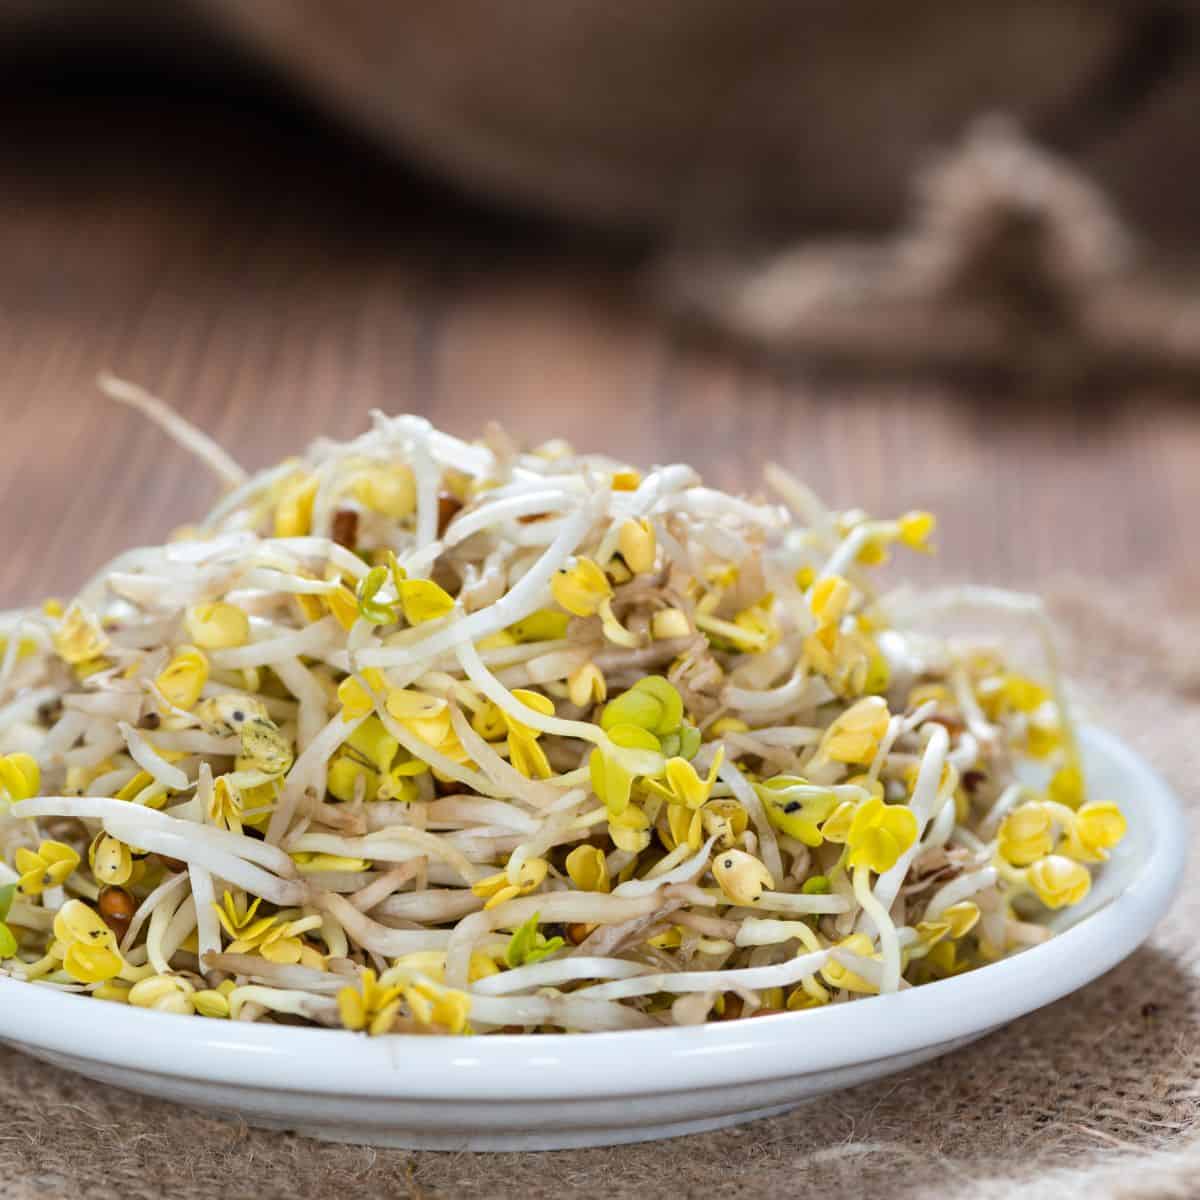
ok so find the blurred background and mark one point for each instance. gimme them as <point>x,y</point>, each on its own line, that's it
<point>938,256</point>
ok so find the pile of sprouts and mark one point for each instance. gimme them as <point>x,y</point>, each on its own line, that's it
<point>418,735</point>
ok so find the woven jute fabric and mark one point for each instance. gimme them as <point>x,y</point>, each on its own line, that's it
<point>1096,1095</point>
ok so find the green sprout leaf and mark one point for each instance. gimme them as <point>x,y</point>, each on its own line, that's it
<point>528,946</point>
<point>369,608</point>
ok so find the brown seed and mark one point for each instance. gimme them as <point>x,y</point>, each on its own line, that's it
<point>448,508</point>
<point>345,528</point>
<point>577,932</point>
<point>151,721</point>
<point>733,1007</point>
<point>116,907</point>
<point>172,864</point>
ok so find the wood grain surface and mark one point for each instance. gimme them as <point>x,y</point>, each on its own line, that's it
<point>274,281</point>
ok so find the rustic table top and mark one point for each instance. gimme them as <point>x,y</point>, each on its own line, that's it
<point>274,282</point>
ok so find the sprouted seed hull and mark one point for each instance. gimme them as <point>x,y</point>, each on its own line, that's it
<point>410,734</point>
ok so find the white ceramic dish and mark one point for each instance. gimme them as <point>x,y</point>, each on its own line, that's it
<point>541,1093</point>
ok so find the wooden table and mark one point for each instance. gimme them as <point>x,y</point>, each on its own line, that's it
<point>274,282</point>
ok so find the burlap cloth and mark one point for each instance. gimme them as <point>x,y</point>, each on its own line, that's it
<point>1095,1095</point>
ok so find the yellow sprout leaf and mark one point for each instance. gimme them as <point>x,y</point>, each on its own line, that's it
<point>629,829</point>
<point>587,869</point>
<point>741,876</point>
<point>497,889</point>
<point>1066,787</point>
<point>637,544</point>
<point>796,808</point>
<point>49,866</point>
<point>1098,828</point>
<point>1026,834</point>
<point>879,834</point>
<point>916,528</point>
<point>91,964</point>
<point>1058,881</point>
<point>829,599</point>
<point>163,993</point>
<point>839,976</point>
<point>184,677</point>
<point>294,508</point>
<point>423,600</point>
<point>582,588</point>
<point>586,686</point>
<point>355,699</point>
<point>20,777</point>
<point>111,861</point>
<point>217,626</point>
<point>855,736</point>
<point>391,490</point>
<point>670,623</point>
<point>78,638</point>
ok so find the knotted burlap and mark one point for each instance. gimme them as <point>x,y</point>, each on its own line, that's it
<point>1094,1096</point>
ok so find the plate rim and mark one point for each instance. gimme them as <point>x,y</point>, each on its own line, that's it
<point>520,1067</point>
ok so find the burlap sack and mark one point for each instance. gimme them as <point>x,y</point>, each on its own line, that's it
<point>1093,1096</point>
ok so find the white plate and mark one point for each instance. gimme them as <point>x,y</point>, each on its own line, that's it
<point>549,1092</point>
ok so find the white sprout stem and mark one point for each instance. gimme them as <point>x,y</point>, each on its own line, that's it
<point>976,722</point>
<point>1005,803</point>
<point>848,550</point>
<point>526,595</point>
<point>959,889</point>
<point>558,971</point>
<point>435,759</point>
<point>183,432</point>
<point>787,695</point>
<point>160,919</point>
<point>380,938</point>
<point>208,928</point>
<point>295,1003</point>
<point>942,826</point>
<point>163,894</point>
<point>594,908</point>
<point>308,771</point>
<point>150,761</point>
<point>270,652</point>
<point>433,905</point>
<point>144,820</point>
<point>495,691</point>
<point>686,872</point>
<point>395,844</point>
<point>800,904</point>
<point>923,802</point>
<point>505,509</point>
<point>272,974</point>
<point>779,975</point>
<point>302,683</point>
<point>11,652</point>
<point>572,1012</point>
<point>182,924</point>
<point>505,778</point>
<point>196,741</point>
<point>284,892</point>
<point>756,931</point>
<point>889,946</point>
<point>747,797</point>
<point>866,968</point>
